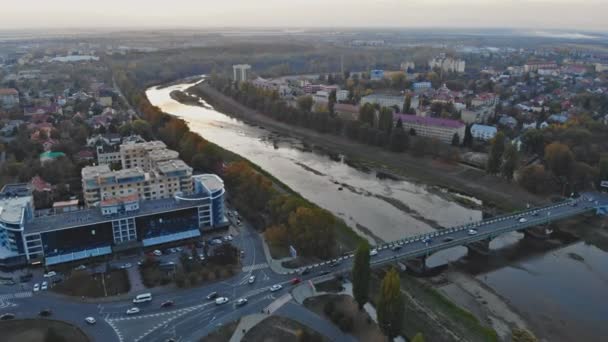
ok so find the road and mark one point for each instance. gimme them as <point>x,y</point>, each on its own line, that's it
<point>193,316</point>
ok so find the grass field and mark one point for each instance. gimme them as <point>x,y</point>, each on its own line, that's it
<point>40,330</point>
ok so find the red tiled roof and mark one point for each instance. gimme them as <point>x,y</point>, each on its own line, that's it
<point>8,91</point>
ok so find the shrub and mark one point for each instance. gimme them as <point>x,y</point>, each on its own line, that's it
<point>329,308</point>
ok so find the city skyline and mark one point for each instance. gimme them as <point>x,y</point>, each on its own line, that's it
<point>538,14</point>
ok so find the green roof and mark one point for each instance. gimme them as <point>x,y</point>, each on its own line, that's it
<point>52,155</point>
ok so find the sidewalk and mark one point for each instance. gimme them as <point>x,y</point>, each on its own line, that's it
<point>275,264</point>
<point>245,324</point>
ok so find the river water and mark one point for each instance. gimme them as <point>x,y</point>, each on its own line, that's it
<point>563,298</point>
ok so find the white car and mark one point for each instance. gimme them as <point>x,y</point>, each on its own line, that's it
<point>36,287</point>
<point>44,286</point>
<point>125,266</point>
<point>228,238</point>
<point>50,274</point>
<point>373,252</point>
<point>472,232</point>
<point>132,311</point>
<point>221,300</point>
<point>251,279</point>
<point>522,220</point>
<point>276,287</point>
<point>241,302</point>
<point>157,253</point>
<point>90,320</point>
<point>80,268</point>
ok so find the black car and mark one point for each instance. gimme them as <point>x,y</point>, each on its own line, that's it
<point>396,247</point>
<point>45,313</point>
<point>305,271</point>
<point>212,295</point>
<point>7,316</point>
<point>167,304</point>
<point>334,263</point>
<point>324,273</point>
<point>25,278</point>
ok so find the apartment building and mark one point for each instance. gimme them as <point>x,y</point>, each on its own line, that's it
<point>240,72</point>
<point>441,129</point>
<point>149,170</point>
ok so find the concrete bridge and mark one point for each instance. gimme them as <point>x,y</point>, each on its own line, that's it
<point>475,236</point>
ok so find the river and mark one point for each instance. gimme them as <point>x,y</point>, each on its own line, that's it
<point>562,298</point>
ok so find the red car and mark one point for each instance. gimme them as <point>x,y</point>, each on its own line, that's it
<point>295,281</point>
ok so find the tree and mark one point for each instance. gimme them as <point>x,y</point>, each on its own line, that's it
<point>366,114</point>
<point>391,305</point>
<point>468,137</point>
<point>496,151</point>
<point>418,338</point>
<point>312,231</point>
<point>385,122</point>
<point>603,173</point>
<point>361,274</point>
<point>412,131</point>
<point>455,139</point>
<point>509,162</point>
<point>522,335</point>
<point>399,139</point>
<point>535,179</point>
<point>305,103</point>
<point>559,159</point>
<point>407,104</point>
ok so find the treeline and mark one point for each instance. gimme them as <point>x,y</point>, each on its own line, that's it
<point>310,229</point>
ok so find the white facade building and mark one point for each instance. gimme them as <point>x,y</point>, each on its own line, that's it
<point>240,72</point>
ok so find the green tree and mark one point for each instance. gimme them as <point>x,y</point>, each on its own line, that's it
<point>496,151</point>
<point>418,338</point>
<point>361,274</point>
<point>312,232</point>
<point>142,128</point>
<point>366,114</point>
<point>407,104</point>
<point>385,122</point>
<point>305,103</point>
<point>603,173</point>
<point>391,305</point>
<point>509,162</point>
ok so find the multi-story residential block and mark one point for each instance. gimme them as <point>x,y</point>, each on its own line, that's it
<point>533,66</point>
<point>441,129</point>
<point>447,64</point>
<point>483,132</point>
<point>384,100</point>
<point>240,72</point>
<point>9,97</point>
<point>149,170</point>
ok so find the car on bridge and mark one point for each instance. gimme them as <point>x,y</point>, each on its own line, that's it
<point>522,220</point>
<point>45,313</point>
<point>373,252</point>
<point>396,247</point>
<point>472,232</point>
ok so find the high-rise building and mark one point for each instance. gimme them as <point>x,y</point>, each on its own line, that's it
<point>240,72</point>
<point>447,64</point>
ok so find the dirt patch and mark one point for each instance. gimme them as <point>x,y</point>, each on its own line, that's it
<point>279,329</point>
<point>221,334</point>
<point>343,311</point>
<point>84,284</point>
<point>40,330</point>
<point>333,285</point>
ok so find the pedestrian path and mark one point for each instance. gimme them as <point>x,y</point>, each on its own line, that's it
<point>5,299</point>
<point>255,267</point>
<point>277,304</point>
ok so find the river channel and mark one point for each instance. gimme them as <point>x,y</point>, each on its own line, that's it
<point>563,298</point>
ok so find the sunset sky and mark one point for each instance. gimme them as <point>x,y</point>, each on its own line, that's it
<point>564,14</point>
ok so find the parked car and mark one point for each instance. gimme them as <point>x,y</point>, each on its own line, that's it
<point>50,274</point>
<point>157,252</point>
<point>212,295</point>
<point>201,257</point>
<point>241,302</point>
<point>125,266</point>
<point>133,311</point>
<point>373,252</point>
<point>167,304</point>
<point>80,268</point>
<point>45,313</point>
<point>228,237</point>
<point>221,300</point>
<point>276,287</point>
<point>251,279</point>
<point>90,320</point>
<point>44,286</point>
<point>7,316</point>
<point>36,287</point>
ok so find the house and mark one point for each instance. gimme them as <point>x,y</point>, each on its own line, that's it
<point>48,144</point>
<point>346,111</point>
<point>85,155</point>
<point>40,185</point>
<point>10,127</point>
<point>9,97</point>
<point>376,75</point>
<point>441,129</point>
<point>483,132</point>
<point>557,118</point>
<point>507,121</point>
<point>65,206</point>
<point>104,139</point>
<point>484,99</point>
<point>384,100</point>
<point>419,86</point>
<point>479,115</point>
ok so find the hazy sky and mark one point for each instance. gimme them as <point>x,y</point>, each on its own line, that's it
<point>566,14</point>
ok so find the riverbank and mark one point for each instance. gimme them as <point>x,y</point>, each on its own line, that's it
<point>493,191</point>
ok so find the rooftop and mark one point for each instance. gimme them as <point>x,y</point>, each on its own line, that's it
<point>165,167</point>
<point>163,154</point>
<point>8,91</point>
<point>148,145</point>
<point>210,181</point>
<point>92,216</point>
<point>89,172</point>
<point>428,121</point>
<point>11,209</point>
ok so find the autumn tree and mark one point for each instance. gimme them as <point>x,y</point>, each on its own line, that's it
<point>276,235</point>
<point>496,150</point>
<point>418,338</point>
<point>366,114</point>
<point>391,305</point>
<point>385,121</point>
<point>559,159</point>
<point>305,103</point>
<point>312,232</point>
<point>522,335</point>
<point>361,274</point>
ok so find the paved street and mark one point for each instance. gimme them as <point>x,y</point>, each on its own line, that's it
<point>193,316</point>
